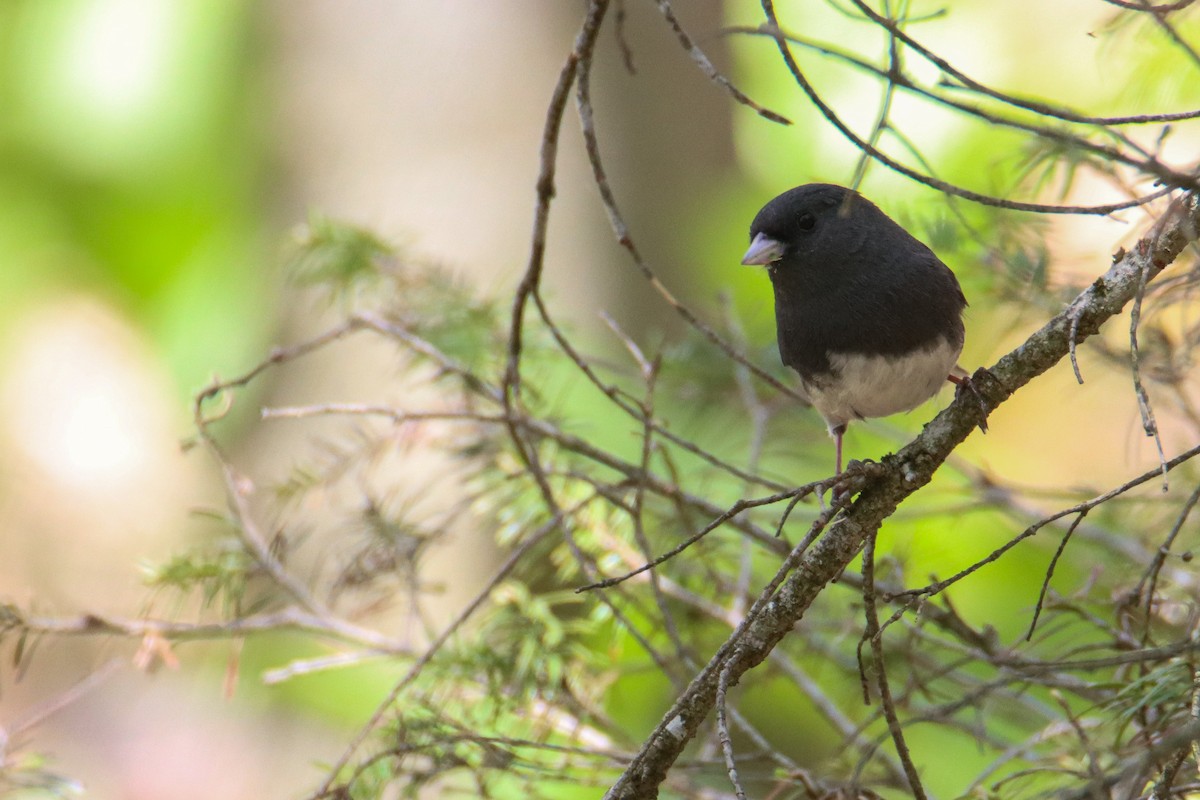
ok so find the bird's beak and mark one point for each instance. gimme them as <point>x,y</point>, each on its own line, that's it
<point>763,250</point>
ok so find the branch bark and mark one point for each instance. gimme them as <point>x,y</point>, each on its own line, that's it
<point>902,474</point>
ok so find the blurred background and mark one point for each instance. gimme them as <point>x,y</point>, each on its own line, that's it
<point>157,157</point>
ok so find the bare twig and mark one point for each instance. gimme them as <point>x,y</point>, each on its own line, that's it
<point>723,733</point>
<point>706,66</point>
<point>621,233</point>
<point>1062,546</point>
<point>291,618</point>
<point>1149,424</point>
<point>1080,508</point>
<point>874,636</point>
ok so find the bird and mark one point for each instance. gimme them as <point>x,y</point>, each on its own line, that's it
<point>867,315</point>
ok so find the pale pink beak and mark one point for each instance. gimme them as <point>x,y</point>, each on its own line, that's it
<point>763,250</point>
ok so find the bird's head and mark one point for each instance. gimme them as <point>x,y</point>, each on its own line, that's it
<point>811,227</point>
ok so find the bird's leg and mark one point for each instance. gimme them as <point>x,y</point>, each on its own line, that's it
<point>962,381</point>
<point>838,431</point>
<point>847,482</point>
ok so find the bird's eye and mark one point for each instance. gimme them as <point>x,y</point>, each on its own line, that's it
<point>807,221</point>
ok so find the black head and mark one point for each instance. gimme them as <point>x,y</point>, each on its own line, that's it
<point>824,229</point>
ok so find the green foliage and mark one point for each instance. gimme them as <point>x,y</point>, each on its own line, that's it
<point>1168,689</point>
<point>485,719</point>
<point>357,270</point>
<point>535,645</point>
<point>338,257</point>
<point>220,573</point>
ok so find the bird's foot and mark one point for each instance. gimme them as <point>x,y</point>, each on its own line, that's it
<point>965,384</point>
<point>852,480</point>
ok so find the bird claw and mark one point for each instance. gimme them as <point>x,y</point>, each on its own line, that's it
<point>851,480</point>
<point>966,384</point>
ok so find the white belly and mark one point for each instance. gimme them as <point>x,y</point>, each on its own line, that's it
<point>874,386</point>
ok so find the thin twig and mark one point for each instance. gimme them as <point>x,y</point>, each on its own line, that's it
<point>1148,586</point>
<point>873,635</point>
<point>706,66</point>
<point>1149,424</point>
<point>1062,546</point>
<point>939,586</point>
<point>723,735</point>
<point>621,232</point>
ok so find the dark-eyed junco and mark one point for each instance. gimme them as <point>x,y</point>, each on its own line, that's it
<point>868,316</point>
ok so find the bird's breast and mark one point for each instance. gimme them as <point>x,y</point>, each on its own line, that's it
<point>860,385</point>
